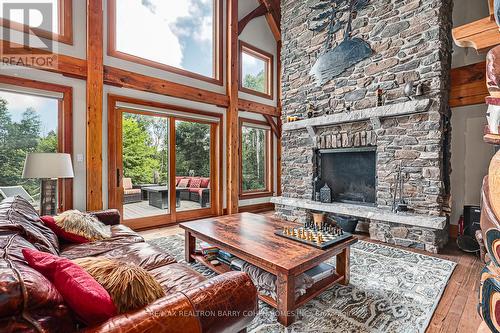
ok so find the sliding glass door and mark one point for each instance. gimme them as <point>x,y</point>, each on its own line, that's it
<point>163,167</point>
<point>145,154</point>
<point>192,164</point>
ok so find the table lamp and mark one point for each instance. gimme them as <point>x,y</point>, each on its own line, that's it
<point>49,167</point>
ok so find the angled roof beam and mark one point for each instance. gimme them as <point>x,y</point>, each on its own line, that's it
<point>273,16</point>
<point>259,11</point>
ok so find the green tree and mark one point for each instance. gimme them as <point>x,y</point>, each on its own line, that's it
<point>48,144</point>
<point>139,156</point>
<point>253,158</point>
<point>192,142</point>
<point>255,82</point>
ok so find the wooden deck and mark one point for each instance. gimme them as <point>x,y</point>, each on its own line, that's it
<point>143,209</point>
<point>456,312</point>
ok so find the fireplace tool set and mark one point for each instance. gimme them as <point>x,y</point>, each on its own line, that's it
<point>399,204</point>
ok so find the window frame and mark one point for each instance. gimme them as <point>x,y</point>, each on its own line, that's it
<point>64,128</point>
<point>269,160</point>
<point>218,48</point>
<point>65,17</point>
<point>268,58</point>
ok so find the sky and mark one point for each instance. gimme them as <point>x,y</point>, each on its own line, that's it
<point>178,33</point>
<point>252,65</point>
<point>47,108</point>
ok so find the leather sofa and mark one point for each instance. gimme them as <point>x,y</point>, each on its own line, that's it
<point>30,303</point>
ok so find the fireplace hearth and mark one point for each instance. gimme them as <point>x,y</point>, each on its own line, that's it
<point>351,174</point>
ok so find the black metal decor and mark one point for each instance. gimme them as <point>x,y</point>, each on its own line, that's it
<point>327,14</point>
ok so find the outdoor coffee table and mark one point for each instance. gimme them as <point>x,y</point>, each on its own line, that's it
<point>158,196</point>
<point>251,237</point>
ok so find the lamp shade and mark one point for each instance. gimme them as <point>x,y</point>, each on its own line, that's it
<point>48,165</point>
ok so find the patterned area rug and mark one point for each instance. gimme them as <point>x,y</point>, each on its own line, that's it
<point>391,291</point>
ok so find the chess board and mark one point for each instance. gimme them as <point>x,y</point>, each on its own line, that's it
<point>329,239</point>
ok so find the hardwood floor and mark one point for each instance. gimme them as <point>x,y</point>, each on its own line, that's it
<point>457,310</point>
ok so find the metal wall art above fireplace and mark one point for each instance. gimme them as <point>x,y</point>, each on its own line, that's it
<point>351,174</point>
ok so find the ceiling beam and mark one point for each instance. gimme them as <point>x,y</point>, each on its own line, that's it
<point>257,12</point>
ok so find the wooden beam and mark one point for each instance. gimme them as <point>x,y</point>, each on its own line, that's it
<point>259,11</point>
<point>126,79</point>
<point>468,85</point>
<point>256,107</point>
<point>94,103</point>
<point>273,125</point>
<point>273,16</point>
<point>481,35</point>
<point>232,130</point>
<point>56,63</point>
<point>279,109</point>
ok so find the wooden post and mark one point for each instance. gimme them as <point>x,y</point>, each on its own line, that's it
<point>233,135</point>
<point>94,103</point>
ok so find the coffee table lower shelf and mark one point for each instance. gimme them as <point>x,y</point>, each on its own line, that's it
<point>312,292</point>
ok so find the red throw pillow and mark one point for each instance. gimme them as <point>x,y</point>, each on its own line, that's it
<point>83,294</point>
<point>195,183</point>
<point>61,233</point>
<point>205,182</point>
<point>183,183</point>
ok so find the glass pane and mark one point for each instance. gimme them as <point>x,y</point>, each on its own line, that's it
<point>192,165</point>
<point>27,124</point>
<point>171,32</point>
<point>253,150</point>
<point>145,165</point>
<point>254,73</point>
<point>38,17</point>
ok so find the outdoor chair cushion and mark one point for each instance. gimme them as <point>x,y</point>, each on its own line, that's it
<point>127,183</point>
<point>205,182</point>
<point>184,183</point>
<point>132,191</point>
<point>195,183</point>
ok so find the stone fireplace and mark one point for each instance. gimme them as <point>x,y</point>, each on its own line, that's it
<point>411,40</point>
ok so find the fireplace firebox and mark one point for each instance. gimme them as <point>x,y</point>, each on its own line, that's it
<point>350,173</point>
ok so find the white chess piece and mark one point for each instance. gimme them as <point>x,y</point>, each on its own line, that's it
<point>493,116</point>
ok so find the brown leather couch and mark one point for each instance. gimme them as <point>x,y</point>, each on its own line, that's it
<point>30,303</point>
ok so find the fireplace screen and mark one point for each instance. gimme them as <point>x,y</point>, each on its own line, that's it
<point>350,173</point>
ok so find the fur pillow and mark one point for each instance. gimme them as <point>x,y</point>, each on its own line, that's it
<point>81,224</point>
<point>131,287</point>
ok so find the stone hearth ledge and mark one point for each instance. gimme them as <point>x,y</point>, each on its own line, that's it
<point>370,213</point>
<point>391,110</point>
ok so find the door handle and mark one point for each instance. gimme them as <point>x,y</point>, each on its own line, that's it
<point>118,175</point>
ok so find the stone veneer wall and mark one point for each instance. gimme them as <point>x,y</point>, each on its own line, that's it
<point>411,40</point>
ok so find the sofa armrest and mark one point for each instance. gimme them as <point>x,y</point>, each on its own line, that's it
<point>108,216</point>
<point>173,313</point>
<point>225,303</point>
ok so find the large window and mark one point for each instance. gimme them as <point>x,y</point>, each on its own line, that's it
<point>256,159</point>
<point>51,19</point>
<point>256,71</point>
<point>32,122</point>
<point>183,37</point>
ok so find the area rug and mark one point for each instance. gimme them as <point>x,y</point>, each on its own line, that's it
<point>391,290</point>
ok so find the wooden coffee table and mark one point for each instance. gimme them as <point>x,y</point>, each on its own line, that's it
<point>251,237</point>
